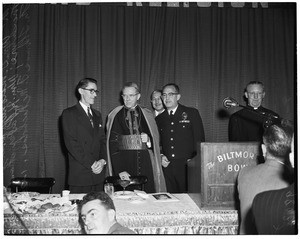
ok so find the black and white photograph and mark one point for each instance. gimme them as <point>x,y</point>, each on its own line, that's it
<point>149,118</point>
<point>164,197</point>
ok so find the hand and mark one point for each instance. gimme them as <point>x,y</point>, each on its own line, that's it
<point>98,166</point>
<point>144,137</point>
<point>164,161</point>
<point>124,175</point>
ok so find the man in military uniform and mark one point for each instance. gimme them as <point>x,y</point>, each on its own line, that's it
<point>180,129</point>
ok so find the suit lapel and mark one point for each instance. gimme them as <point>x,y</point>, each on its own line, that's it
<point>84,119</point>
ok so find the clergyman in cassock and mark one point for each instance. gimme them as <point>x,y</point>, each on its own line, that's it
<point>133,141</point>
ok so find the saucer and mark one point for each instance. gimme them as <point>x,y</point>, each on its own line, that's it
<point>136,199</point>
<point>125,194</point>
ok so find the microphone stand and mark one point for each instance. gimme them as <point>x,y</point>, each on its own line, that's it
<point>270,118</point>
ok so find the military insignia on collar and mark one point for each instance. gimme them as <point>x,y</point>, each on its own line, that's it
<point>184,118</point>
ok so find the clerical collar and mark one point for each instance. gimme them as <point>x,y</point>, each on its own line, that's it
<point>174,110</point>
<point>85,107</point>
<point>132,108</point>
<point>254,108</point>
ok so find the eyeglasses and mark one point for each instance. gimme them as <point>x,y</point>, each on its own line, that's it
<point>171,94</point>
<point>92,91</point>
<point>130,96</point>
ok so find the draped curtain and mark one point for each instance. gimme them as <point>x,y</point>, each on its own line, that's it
<point>210,52</point>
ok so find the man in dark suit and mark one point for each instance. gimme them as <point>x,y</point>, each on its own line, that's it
<point>180,129</point>
<point>269,175</point>
<point>248,124</point>
<point>98,215</point>
<point>85,140</point>
<point>275,211</point>
<point>156,102</point>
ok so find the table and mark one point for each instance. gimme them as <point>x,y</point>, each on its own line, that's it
<point>147,217</point>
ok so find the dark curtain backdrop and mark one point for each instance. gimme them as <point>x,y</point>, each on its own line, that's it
<point>210,52</point>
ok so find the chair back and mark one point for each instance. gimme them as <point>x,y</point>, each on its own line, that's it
<point>40,185</point>
<point>136,182</point>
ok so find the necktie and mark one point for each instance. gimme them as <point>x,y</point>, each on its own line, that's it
<point>90,116</point>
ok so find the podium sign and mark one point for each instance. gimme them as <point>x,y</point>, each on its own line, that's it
<point>219,164</point>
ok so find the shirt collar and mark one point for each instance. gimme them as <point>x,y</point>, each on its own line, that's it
<point>259,107</point>
<point>174,110</point>
<point>158,112</point>
<point>85,107</point>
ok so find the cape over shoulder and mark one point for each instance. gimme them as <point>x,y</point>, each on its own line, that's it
<point>115,110</point>
<point>145,108</point>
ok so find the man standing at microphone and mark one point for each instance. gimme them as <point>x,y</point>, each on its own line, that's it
<point>246,124</point>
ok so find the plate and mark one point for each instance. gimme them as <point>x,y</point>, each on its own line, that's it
<point>125,194</point>
<point>136,199</point>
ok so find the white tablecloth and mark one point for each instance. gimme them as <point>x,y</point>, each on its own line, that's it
<point>147,217</point>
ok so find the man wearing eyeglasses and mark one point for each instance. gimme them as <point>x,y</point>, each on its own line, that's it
<point>133,141</point>
<point>248,124</point>
<point>180,128</point>
<point>84,138</point>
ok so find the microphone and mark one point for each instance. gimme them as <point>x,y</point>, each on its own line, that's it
<point>230,102</point>
<point>269,117</point>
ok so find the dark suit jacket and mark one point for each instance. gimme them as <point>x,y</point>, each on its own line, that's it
<point>245,125</point>
<point>274,211</point>
<point>188,130</point>
<point>253,180</point>
<point>119,229</point>
<point>85,145</point>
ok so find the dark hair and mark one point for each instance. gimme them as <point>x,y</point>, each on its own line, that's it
<point>172,84</point>
<point>155,91</point>
<point>106,201</point>
<point>82,84</point>
<point>131,84</point>
<point>277,138</point>
<point>255,83</point>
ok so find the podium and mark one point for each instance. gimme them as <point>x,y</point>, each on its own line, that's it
<point>213,172</point>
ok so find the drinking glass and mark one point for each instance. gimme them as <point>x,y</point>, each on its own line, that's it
<point>124,184</point>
